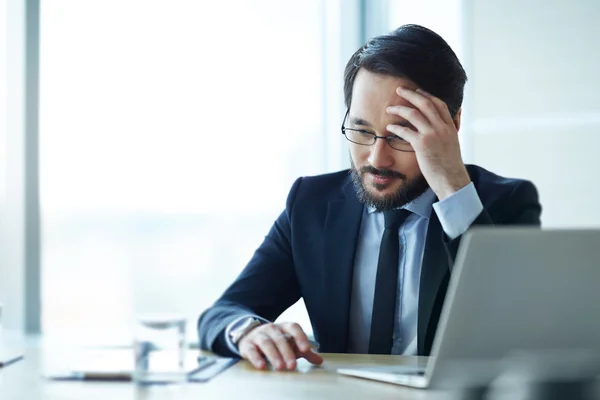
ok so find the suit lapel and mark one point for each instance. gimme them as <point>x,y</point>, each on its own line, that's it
<point>342,227</point>
<point>433,270</point>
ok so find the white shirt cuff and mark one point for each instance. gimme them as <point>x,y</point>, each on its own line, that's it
<point>457,212</point>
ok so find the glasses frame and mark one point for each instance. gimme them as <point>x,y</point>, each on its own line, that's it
<point>375,137</point>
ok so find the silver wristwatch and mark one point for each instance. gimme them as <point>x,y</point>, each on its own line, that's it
<point>238,331</point>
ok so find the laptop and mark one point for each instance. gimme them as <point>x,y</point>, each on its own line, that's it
<point>512,289</point>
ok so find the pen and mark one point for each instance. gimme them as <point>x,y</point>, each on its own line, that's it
<point>11,361</point>
<point>91,376</point>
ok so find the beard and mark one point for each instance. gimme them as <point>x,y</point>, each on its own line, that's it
<point>410,189</point>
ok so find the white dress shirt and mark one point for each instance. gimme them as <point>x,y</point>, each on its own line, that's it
<point>456,213</point>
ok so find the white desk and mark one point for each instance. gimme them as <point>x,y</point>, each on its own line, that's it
<point>23,380</point>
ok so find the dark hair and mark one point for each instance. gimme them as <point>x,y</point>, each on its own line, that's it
<point>414,53</point>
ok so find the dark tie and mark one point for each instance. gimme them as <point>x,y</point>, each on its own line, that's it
<point>386,285</point>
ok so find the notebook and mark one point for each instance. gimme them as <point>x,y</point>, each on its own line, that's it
<point>118,365</point>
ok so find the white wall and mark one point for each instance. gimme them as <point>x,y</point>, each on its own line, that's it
<point>534,99</point>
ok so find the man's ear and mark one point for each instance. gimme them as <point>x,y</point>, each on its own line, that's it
<point>457,119</point>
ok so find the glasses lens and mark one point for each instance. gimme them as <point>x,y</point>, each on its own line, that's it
<point>360,137</point>
<point>400,144</point>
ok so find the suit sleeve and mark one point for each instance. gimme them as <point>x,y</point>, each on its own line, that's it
<point>522,208</point>
<point>266,287</point>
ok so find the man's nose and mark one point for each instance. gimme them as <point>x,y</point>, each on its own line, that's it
<point>381,155</point>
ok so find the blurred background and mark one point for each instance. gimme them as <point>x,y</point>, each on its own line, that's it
<point>146,146</point>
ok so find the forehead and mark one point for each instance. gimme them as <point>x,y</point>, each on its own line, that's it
<point>374,92</point>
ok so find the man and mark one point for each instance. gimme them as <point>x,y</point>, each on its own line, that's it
<point>371,250</point>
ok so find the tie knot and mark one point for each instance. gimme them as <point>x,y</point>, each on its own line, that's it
<point>395,218</point>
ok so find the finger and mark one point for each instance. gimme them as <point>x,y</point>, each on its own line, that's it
<point>284,347</point>
<point>441,107</point>
<point>404,133</point>
<point>251,353</point>
<point>297,335</point>
<point>269,349</point>
<point>424,103</point>
<point>414,116</point>
<point>313,358</point>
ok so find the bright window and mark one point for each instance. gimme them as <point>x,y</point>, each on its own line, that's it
<point>170,134</point>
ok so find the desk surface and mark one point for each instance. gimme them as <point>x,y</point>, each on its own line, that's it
<point>23,380</point>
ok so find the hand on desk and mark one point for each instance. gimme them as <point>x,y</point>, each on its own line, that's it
<point>279,344</point>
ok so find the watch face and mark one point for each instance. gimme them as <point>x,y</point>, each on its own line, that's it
<point>242,327</point>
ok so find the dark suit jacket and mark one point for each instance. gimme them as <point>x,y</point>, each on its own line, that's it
<point>309,253</point>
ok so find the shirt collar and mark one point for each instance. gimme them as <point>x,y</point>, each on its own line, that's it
<point>421,206</point>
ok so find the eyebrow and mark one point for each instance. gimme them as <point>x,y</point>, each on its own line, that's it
<point>363,122</point>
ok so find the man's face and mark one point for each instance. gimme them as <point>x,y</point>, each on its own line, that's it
<point>384,178</point>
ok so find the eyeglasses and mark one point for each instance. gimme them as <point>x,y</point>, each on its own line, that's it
<point>365,138</point>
